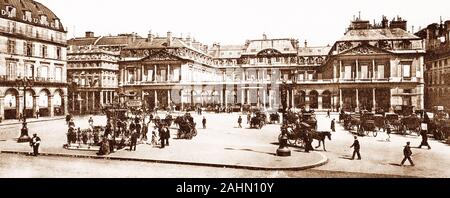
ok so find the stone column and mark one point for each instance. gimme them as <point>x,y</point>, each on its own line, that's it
<point>168,98</point>
<point>87,100</point>
<point>93,101</point>
<point>101,98</point>
<point>270,99</point>
<point>168,73</point>
<point>182,99</point>
<point>80,104</point>
<point>357,69</point>
<point>320,102</point>
<point>341,100</point>
<point>156,98</point>
<point>288,100</point>
<point>155,74</point>
<point>142,73</point>
<point>340,70</point>
<point>374,102</point>
<point>221,97</point>
<point>373,70</point>
<point>52,109</point>
<point>357,100</point>
<point>2,108</point>
<point>242,96</point>
<point>264,98</point>
<point>226,98</point>
<point>247,92</point>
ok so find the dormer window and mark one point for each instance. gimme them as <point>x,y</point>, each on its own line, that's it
<point>44,20</point>
<point>11,11</point>
<point>27,16</point>
<point>56,22</point>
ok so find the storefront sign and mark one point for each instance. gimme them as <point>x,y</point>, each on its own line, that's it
<point>134,103</point>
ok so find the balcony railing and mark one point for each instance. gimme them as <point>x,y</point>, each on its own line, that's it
<point>7,78</point>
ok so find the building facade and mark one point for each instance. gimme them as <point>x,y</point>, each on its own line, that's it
<point>437,61</point>
<point>377,66</point>
<point>374,66</point>
<point>93,70</point>
<point>32,47</point>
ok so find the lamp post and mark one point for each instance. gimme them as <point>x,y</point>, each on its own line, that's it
<point>283,150</point>
<point>24,83</point>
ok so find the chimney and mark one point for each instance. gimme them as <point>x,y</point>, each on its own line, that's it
<point>264,36</point>
<point>188,40</point>
<point>89,34</point>
<point>169,38</point>
<point>399,23</point>
<point>385,22</point>
<point>150,37</point>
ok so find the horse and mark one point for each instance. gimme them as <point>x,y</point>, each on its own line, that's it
<point>320,136</point>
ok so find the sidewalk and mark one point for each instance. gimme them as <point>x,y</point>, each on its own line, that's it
<point>30,120</point>
<point>199,154</point>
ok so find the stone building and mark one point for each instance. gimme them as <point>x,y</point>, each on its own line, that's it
<point>93,70</point>
<point>32,47</point>
<point>437,61</point>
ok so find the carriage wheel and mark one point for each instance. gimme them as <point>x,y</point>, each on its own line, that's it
<point>375,133</point>
<point>299,142</point>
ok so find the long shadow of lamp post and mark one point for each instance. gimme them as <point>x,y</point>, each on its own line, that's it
<point>25,83</point>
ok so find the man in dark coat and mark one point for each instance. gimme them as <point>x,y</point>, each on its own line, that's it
<point>308,142</point>
<point>162,136</point>
<point>240,122</point>
<point>204,123</point>
<point>134,137</point>
<point>356,146</point>
<point>407,153</point>
<point>167,135</point>
<point>35,142</point>
<point>424,142</point>
<point>333,125</point>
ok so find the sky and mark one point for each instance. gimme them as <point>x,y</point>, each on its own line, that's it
<point>320,22</point>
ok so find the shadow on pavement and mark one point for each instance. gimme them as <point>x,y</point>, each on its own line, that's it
<point>250,150</point>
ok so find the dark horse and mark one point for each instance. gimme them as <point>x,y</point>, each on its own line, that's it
<point>320,136</point>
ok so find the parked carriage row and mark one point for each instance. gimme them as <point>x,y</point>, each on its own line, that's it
<point>436,123</point>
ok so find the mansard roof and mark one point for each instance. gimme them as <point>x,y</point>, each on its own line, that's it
<point>378,34</point>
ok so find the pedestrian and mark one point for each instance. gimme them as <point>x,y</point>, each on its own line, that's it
<point>167,135</point>
<point>333,125</point>
<point>407,153</point>
<point>308,142</point>
<point>91,122</point>
<point>249,117</point>
<point>134,137</point>
<point>37,114</point>
<point>356,146</point>
<point>204,122</point>
<point>162,137</point>
<point>240,122</point>
<point>35,142</point>
<point>111,142</point>
<point>388,132</point>
<point>424,142</point>
<point>154,139</point>
<point>328,114</point>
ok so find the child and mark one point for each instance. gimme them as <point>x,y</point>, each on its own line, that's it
<point>154,139</point>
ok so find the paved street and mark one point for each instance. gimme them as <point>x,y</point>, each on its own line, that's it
<point>222,142</point>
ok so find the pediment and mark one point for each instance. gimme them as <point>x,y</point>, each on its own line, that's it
<point>365,50</point>
<point>160,55</point>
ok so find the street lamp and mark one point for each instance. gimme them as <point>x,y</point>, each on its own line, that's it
<point>24,83</point>
<point>283,150</point>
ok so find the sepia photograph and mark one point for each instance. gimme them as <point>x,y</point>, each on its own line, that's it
<point>224,89</point>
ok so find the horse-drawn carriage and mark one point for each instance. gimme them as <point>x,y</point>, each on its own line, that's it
<point>258,121</point>
<point>186,126</point>
<point>274,118</point>
<point>410,124</point>
<point>300,134</point>
<point>368,124</point>
<point>393,120</point>
<point>309,118</point>
<point>439,124</point>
